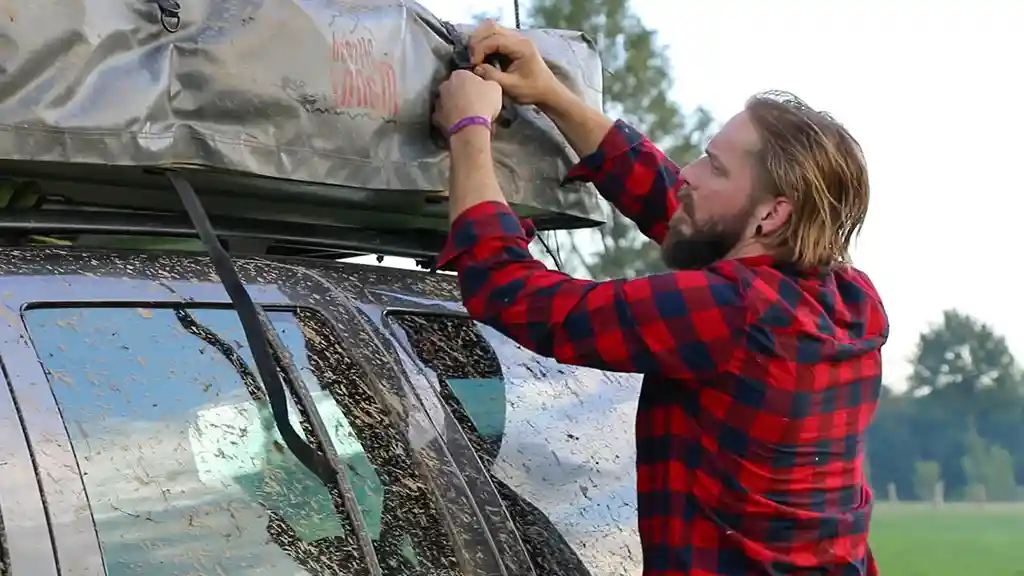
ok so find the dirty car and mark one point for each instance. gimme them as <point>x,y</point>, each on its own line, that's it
<point>196,382</point>
<point>134,443</point>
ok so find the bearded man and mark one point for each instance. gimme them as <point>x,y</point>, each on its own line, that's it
<point>760,351</point>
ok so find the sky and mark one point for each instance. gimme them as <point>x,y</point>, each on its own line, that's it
<point>927,88</point>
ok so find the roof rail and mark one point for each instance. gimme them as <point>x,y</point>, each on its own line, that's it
<point>334,241</point>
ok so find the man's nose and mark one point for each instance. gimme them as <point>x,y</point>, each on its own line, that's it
<point>684,176</point>
<point>684,185</point>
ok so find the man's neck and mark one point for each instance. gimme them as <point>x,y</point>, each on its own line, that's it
<point>748,250</point>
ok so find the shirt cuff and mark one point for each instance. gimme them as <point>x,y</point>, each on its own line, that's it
<point>620,138</point>
<point>481,221</point>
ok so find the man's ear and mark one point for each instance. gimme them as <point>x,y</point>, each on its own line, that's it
<point>774,215</point>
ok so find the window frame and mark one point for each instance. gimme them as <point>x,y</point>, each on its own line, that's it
<point>485,499</point>
<point>26,536</point>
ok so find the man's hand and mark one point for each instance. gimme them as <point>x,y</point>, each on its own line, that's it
<point>464,95</point>
<point>528,79</point>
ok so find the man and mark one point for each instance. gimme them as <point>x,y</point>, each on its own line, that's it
<point>760,353</point>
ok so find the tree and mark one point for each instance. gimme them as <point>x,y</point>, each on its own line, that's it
<point>866,467</point>
<point>1002,484</point>
<point>926,479</point>
<point>961,359</point>
<point>964,374</point>
<point>636,88</point>
<point>988,468</point>
<point>963,410</point>
<point>894,447</point>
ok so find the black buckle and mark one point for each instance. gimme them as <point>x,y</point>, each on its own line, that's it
<point>460,60</point>
<point>170,14</point>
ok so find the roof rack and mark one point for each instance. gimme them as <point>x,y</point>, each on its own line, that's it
<point>238,195</point>
<point>270,218</point>
<point>271,238</point>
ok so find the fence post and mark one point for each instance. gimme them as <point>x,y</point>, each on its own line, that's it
<point>940,489</point>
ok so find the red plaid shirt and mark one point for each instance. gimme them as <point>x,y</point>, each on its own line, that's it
<point>759,379</point>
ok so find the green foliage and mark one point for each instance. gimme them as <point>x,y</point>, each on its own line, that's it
<point>926,477</point>
<point>962,357</point>
<point>989,470</point>
<point>867,468</point>
<point>963,411</point>
<point>1001,485</point>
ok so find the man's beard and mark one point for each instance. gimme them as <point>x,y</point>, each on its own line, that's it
<point>705,243</point>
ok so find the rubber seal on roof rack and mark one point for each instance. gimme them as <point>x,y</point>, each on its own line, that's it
<point>271,361</point>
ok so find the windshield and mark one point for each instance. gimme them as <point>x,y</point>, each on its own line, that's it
<point>185,470</point>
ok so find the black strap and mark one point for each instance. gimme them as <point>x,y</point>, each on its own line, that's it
<point>255,325</point>
<point>269,354</point>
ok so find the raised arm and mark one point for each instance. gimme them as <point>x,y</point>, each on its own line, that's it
<point>677,324</point>
<point>625,167</point>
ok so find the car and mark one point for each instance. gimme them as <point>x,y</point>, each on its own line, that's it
<point>198,380</point>
<point>137,438</point>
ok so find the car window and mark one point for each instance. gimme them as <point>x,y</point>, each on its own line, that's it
<point>474,388</point>
<point>184,469</point>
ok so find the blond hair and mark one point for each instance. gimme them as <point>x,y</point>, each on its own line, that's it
<point>809,158</point>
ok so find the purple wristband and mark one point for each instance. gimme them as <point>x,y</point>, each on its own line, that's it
<point>470,121</point>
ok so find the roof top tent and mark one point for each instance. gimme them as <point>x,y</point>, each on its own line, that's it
<point>259,124</point>
<point>300,121</point>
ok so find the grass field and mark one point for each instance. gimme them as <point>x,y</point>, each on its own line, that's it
<point>911,539</point>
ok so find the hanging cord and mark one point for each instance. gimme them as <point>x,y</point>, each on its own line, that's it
<point>554,257</point>
<point>555,254</point>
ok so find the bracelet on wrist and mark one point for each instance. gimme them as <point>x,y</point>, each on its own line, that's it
<point>468,121</point>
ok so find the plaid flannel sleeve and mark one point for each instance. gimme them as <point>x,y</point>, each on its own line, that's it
<point>635,176</point>
<point>677,324</point>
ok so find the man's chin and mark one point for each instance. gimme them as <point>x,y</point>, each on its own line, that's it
<point>692,254</point>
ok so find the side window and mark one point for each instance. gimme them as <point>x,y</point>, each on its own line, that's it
<point>474,389</point>
<point>184,469</point>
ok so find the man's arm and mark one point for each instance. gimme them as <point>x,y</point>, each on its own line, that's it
<point>471,177</point>
<point>677,324</point>
<point>626,167</point>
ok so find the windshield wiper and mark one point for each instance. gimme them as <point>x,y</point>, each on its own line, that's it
<point>272,360</point>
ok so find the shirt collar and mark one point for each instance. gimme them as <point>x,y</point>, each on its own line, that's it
<point>757,261</point>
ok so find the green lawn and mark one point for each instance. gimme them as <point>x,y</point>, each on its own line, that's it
<point>911,539</point>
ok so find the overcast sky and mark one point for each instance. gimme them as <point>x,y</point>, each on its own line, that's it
<point>931,90</point>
